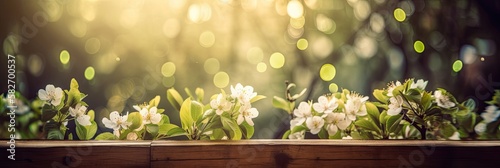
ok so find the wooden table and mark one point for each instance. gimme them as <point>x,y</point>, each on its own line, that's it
<point>254,153</point>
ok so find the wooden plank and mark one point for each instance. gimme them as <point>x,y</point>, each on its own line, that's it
<point>254,153</point>
<point>324,153</point>
<point>79,154</point>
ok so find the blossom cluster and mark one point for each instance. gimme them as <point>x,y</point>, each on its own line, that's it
<point>330,114</point>
<point>402,111</point>
<point>146,123</point>
<point>242,96</point>
<point>61,107</point>
<point>489,126</point>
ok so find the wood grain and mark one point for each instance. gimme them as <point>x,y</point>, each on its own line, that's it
<point>254,153</point>
<point>324,153</point>
<point>79,154</point>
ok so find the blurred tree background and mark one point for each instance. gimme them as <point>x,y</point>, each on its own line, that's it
<point>126,52</point>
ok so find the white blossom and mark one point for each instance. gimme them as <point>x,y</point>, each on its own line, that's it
<point>115,121</point>
<point>480,128</point>
<point>302,112</point>
<point>395,106</point>
<point>297,135</point>
<point>336,121</point>
<point>455,136</point>
<point>325,105</point>
<point>51,94</point>
<point>355,106</point>
<point>150,116</point>
<point>391,88</point>
<point>420,84</point>
<point>247,113</point>
<point>315,124</point>
<point>220,104</point>
<point>296,122</point>
<point>490,114</point>
<point>79,113</point>
<point>116,133</point>
<point>347,137</point>
<point>243,94</point>
<point>443,100</point>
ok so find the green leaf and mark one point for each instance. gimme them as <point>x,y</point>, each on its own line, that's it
<point>91,113</point>
<point>136,119</point>
<point>379,95</point>
<point>152,129</point>
<point>367,125</point>
<point>373,112</point>
<point>281,103</point>
<point>106,136</point>
<point>286,134</point>
<point>247,130</point>
<point>185,114</point>
<point>81,132</point>
<point>398,90</point>
<point>200,93</point>
<point>86,132</point>
<point>470,104</point>
<point>231,126</point>
<point>174,98</point>
<point>170,130</point>
<point>218,134</point>
<point>447,129</point>
<point>392,123</point>
<point>196,110</point>
<point>176,131</point>
<point>468,122</point>
<point>257,98</point>
<point>382,118</point>
<point>426,100</point>
<point>164,119</point>
<point>91,130</point>
<point>48,112</point>
<point>298,128</point>
<point>74,95</point>
<point>55,134</point>
<point>337,135</point>
<point>323,134</point>
<point>188,92</point>
<point>154,102</point>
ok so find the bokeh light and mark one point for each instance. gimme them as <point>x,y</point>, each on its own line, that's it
<point>399,14</point>
<point>325,24</point>
<point>168,69</point>
<point>327,72</point>
<point>89,73</point>
<point>93,45</point>
<point>211,66</point>
<point>468,54</point>
<point>295,9</point>
<point>302,44</point>
<point>198,13</point>
<point>207,39</point>
<point>221,79</point>
<point>277,60</point>
<point>457,65</point>
<point>419,46</point>
<point>64,57</point>
<point>333,87</point>
<point>255,55</point>
<point>261,67</point>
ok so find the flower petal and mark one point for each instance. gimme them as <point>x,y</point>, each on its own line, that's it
<point>249,121</point>
<point>84,120</point>
<point>240,119</point>
<point>42,94</point>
